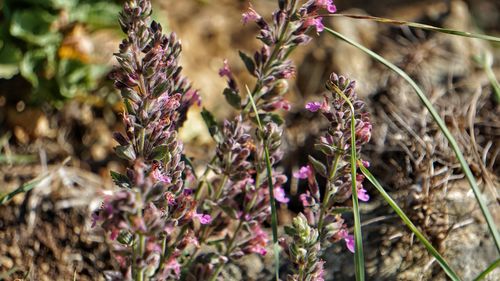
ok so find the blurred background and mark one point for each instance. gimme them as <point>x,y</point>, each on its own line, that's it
<point>58,111</point>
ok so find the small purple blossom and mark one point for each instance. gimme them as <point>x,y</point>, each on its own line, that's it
<point>280,196</point>
<point>313,106</point>
<point>225,70</point>
<point>348,238</point>
<point>362,195</point>
<point>203,218</point>
<point>327,4</point>
<point>250,15</point>
<point>303,173</point>
<point>160,176</point>
<point>317,22</point>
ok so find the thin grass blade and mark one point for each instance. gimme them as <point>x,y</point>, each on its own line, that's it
<point>435,115</point>
<point>486,61</point>
<point>488,270</point>
<point>274,213</point>
<point>359,259</point>
<point>22,189</point>
<point>421,26</point>
<point>442,262</point>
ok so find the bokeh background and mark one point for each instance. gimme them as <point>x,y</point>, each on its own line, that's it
<point>58,111</point>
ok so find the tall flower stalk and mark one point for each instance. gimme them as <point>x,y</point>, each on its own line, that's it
<point>153,202</point>
<point>322,224</point>
<point>249,146</point>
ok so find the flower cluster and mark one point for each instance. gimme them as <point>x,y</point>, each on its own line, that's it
<point>303,250</point>
<point>323,212</point>
<point>270,65</point>
<point>242,192</point>
<point>153,200</point>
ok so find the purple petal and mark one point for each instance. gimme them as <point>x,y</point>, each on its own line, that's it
<point>362,195</point>
<point>279,195</point>
<point>313,106</point>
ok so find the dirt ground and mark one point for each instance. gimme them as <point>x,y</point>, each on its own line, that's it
<point>45,234</point>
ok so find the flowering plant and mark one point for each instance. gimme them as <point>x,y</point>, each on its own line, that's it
<point>164,218</point>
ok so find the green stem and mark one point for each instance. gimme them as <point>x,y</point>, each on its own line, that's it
<point>328,191</point>
<point>358,253</point>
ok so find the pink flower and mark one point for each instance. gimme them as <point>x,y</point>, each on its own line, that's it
<point>327,4</point>
<point>362,195</point>
<point>204,219</point>
<point>250,15</point>
<point>364,132</point>
<point>225,70</point>
<point>257,244</point>
<point>303,173</point>
<point>159,176</point>
<point>316,22</point>
<point>173,265</point>
<point>305,199</point>
<point>280,196</point>
<point>313,106</point>
<point>349,239</point>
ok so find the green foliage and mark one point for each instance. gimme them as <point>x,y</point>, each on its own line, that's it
<point>40,39</point>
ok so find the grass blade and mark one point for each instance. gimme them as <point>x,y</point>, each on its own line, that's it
<point>488,270</point>
<point>359,260</point>
<point>442,262</point>
<point>486,61</point>
<point>422,26</point>
<point>435,115</point>
<point>23,188</point>
<point>274,213</point>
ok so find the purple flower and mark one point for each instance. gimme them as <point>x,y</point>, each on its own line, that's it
<point>327,4</point>
<point>257,244</point>
<point>303,173</point>
<point>204,219</point>
<point>349,239</point>
<point>316,22</point>
<point>306,200</point>
<point>313,106</point>
<point>250,15</point>
<point>159,176</point>
<point>280,196</point>
<point>225,70</point>
<point>362,195</point>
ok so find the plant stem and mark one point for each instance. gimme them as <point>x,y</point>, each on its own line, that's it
<point>328,191</point>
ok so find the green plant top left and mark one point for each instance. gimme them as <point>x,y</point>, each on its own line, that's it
<point>46,43</point>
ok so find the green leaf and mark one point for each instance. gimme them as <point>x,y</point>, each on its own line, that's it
<point>96,15</point>
<point>125,152</point>
<point>121,180</point>
<point>35,26</point>
<point>211,124</point>
<point>161,88</point>
<point>326,149</point>
<point>31,60</point>
<point>159,153</point>
<point>10,56</point>
<point>232,97</point>
<point>442,126</point>
<point>442,262</point>
<point>271,118</point>
<point>248,61</point>
<point>319,167</point>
